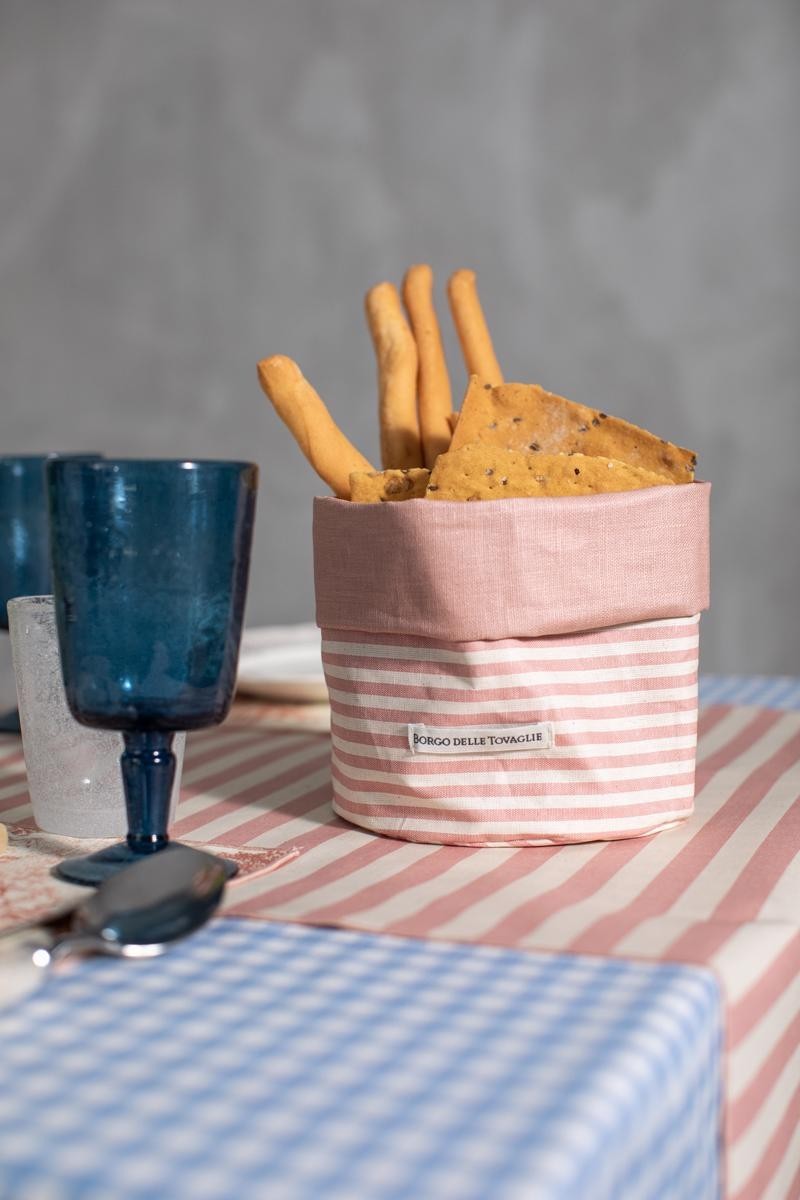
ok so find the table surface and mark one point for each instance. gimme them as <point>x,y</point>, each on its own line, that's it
<point>286,1060</point>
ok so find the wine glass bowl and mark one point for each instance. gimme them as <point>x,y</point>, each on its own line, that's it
<point>150,566</point>
<point>24,538</point>
<point>24,546</point>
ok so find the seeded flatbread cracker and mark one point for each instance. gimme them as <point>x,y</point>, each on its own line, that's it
<point>374,487</point>
<point>482,472</point>
<point>526,418</point>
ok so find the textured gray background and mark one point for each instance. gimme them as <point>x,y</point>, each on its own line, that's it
<point>187,186</point>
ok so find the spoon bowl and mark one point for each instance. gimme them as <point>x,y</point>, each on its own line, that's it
<point>137,913</point>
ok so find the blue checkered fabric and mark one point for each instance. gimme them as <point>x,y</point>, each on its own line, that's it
<point>765,691</point>
<point>279,1061</point>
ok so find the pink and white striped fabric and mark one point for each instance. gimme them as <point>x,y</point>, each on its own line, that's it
<point>620,706</point>
<point>518,672</point>
<point>719,890</point>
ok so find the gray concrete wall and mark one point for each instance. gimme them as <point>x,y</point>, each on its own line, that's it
<point>188,185</point>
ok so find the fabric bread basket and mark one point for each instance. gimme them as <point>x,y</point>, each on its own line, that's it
<point>514,672</point>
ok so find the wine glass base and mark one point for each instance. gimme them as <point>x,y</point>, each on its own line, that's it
<point>93,869</point>
<point>9,721</point>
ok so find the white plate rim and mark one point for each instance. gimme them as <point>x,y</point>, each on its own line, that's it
<point>272,646</point>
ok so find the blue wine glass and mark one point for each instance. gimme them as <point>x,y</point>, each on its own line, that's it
<point>150,565</point>
<point>24,538</point>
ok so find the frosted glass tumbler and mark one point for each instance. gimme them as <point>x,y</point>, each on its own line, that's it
<point>73,771</point>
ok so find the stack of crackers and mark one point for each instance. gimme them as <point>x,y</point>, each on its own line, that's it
<point>509,439</point>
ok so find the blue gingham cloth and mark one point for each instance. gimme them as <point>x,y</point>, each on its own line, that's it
<point>280,1061</point>
<point>764,691</point>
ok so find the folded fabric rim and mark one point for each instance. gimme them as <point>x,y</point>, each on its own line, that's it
<point>512,568</point>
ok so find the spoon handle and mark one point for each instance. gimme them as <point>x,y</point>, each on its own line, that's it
<point>25,955</point>
<point>20,972</point>
<point>47,927</point>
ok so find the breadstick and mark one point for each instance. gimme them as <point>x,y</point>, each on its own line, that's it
<point>396,352</point>
<point>331,455</point>
<point>434,402</point>
<point>473,333</point>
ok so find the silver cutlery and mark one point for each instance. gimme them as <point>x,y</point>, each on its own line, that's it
<point>137,913</point>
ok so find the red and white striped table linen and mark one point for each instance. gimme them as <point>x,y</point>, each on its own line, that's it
<point>721,889</point>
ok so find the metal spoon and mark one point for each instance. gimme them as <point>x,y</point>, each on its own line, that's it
<point>136,913</point>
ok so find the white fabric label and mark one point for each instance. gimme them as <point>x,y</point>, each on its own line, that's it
<point>480,739</point>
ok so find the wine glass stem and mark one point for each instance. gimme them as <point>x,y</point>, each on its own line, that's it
<point>148,772</point>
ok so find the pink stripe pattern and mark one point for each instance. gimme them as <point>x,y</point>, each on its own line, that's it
<point>719,890</point>
<point>620,705</point>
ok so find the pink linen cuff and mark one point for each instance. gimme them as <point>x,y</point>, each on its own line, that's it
<point>512,568</point>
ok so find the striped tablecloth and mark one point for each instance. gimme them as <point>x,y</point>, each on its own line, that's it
<point>720,891</point>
